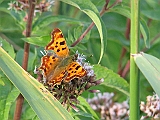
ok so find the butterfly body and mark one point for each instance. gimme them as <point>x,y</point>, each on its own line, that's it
<point>60,65</point>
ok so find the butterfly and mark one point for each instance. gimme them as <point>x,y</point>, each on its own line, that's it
<point>57,65</point>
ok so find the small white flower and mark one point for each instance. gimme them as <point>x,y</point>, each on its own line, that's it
<point>1,44</point>
<point>143,117</point>
<point>35,70</point>
<point>80,58</point>
<point>43,52</point>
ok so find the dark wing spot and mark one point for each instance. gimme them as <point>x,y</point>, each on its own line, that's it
<point>62,43</point>
<point>53,57</point>
<point>78,67</point>
<point>56,42</point>
<point>50,63</point>
<point>56,46</point>
<point>58,50</point>
<point>45,70</point>
<point>74,65</point>
<point>63,48</point>
<point>70,68</point>
<point>68,74</point>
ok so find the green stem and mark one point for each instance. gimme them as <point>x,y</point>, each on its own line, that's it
<point>134,82</point>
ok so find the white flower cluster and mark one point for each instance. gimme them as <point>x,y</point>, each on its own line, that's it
<point>151,108</point>
<point>109,109</point>
<point>80,59</point>
<point>40,7</point>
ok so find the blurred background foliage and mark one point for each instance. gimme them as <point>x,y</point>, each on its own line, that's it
<point>73,22</point>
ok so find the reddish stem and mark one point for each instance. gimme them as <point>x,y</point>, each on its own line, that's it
<point>20,99</point>
<point>104,9</point>
<point>120,68</point>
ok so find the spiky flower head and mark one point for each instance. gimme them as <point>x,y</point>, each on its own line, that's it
<point>68,92</point>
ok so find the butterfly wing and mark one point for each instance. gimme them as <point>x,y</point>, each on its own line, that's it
<point>60,71</point>
<point>58,43</point>
<point>75,70</point>
<point>48,65</point>
<point>57,80</point>
<point>60,66</point>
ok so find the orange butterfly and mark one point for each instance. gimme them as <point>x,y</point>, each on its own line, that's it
<point>58,65</point>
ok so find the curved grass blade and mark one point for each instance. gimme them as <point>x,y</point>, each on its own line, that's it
<point>90,9</point>
<point>42,102</point>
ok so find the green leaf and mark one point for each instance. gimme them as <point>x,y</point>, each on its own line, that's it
<point>152,14</point>
<point>41,23</point>
<point>28,113</point>
<point>42,101</point>
<point>145,32</point>
<point>111,79</point>
<point>9,48</point>
<point>77,32</point>
<point>5,25</point>
<point>85,111</point>
<point>8,95</point>
<point>90,9</point>
<point>39,41</point>
<point>150,67</point>
<point>125,11</point>
<point>11,97</point>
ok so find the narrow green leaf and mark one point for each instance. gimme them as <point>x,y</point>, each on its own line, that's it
<point>90,9</point>
<point>125,11</point>
<point>41,23</point>
<point>42,101</point>
<point>150,67</point>
<point>39,41</point>
<point>11,97</point>
<point>145,32</point>
<point>111,79</point>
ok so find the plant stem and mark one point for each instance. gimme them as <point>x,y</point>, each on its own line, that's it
<point>122,71</point>
<point>134,82</point>
<point>20,99</point>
